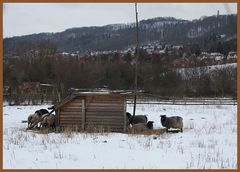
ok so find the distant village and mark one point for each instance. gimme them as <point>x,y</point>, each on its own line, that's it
<point>174,54</point>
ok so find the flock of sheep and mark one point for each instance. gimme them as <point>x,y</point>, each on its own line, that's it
<point>140,123</point>
<point>42,119</point>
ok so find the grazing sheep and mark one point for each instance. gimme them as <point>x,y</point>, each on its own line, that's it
<point>140,127</point>
<point>49,121</point>
<point>30,121</point>
<point>35,119</point>
<point>172,122</point>
<point>41,112</point>
<point>42,123</point>
<point>136,119</point>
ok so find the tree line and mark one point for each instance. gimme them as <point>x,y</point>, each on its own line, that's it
<point>115,72</point>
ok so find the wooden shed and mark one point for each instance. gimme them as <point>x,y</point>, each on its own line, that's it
<point>87,110</point>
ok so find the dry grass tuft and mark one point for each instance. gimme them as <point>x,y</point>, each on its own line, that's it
<point>159,131</point>
<point>68,131</point>
<point>96,129</point>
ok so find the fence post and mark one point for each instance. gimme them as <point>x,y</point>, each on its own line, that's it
<point>124,116</point>
<point>83,114</point>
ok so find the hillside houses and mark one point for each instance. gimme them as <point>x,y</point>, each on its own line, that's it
<point>232,56</point>
<point>175,54</point>
<point>210,57</point>
<point>218,57</point>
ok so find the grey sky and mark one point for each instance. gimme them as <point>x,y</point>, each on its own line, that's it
<point>27,18</point>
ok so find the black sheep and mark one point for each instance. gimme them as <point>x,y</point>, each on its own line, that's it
<point>41,112</point>
<point>136,119</point>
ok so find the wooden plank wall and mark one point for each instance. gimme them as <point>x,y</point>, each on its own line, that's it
<point>70,114</point>
<point>105,111</point>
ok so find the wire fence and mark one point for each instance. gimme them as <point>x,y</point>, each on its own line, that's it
<point>186,101</point>
<point>32,99</point>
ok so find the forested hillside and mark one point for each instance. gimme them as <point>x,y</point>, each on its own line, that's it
<point>119,36</point>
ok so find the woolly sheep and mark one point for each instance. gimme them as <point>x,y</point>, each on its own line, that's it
<point>35,119</point>
<point>172,122</point>
<point>143,126</point>
<point>30,120</point>
<point>41,112</point>
<point>49,121</point>
<point>136,119</point>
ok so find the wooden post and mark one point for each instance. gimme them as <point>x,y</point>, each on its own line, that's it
<point>136,63</point>
<point>83,114</point>
<point>124,116</point>
<point>58,117</point>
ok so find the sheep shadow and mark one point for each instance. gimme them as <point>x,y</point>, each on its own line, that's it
<point>149,132</point>
<point>173,131</point>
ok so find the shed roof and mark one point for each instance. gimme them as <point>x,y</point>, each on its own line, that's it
<point>92,93</point>
<point>102,91</point>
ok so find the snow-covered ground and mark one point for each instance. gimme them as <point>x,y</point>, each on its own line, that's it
<point>209,141</point>
<point>200,70</point>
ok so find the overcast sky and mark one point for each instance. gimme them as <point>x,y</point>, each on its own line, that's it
<point>28,18</point>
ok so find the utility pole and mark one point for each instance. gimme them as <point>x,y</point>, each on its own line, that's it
<point>136,62</point>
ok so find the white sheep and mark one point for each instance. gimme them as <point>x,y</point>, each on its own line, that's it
<point>140,127</point>
<point>33,120</point>
<point>172,122</point>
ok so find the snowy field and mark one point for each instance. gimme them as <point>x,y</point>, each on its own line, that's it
<point>208,141</point>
